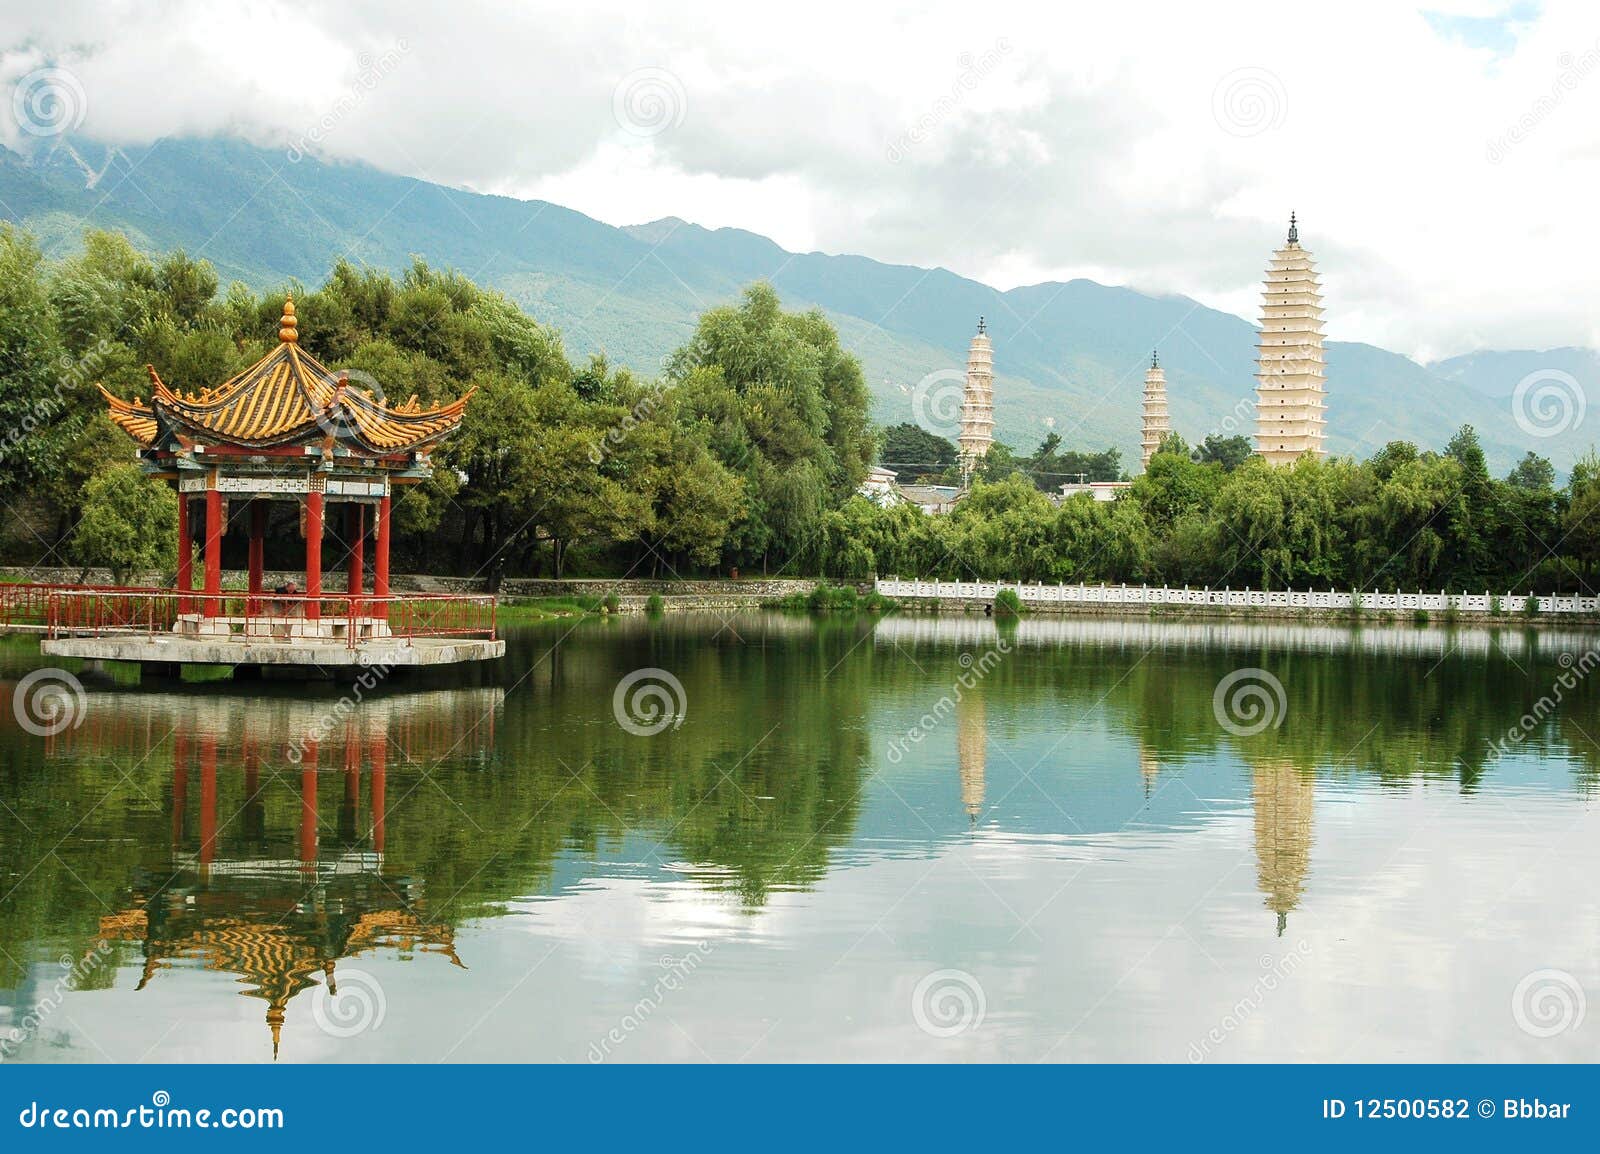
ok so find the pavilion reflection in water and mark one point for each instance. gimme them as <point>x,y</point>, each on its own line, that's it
<point>243,895</point>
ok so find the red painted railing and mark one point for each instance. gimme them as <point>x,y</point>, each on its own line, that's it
<point>28,603</point>
<point>330,617</point>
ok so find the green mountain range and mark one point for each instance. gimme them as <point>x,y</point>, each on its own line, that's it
<point>1070,357</point>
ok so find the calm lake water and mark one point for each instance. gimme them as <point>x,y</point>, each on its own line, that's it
<point>916,838</point>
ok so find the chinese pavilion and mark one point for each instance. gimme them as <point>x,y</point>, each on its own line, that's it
<point>285,429</point>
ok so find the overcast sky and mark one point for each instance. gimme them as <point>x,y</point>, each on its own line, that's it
<point>1444,161</point>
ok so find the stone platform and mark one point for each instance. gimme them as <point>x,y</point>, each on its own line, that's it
<point>309,652</point>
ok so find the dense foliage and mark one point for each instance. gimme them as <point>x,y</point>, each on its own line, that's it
<point>1404,519</point>
<point>758,428</point>
<point>746,454</point>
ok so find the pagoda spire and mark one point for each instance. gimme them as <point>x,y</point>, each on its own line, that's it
<point>1294,229</point>
<point>288,332</point>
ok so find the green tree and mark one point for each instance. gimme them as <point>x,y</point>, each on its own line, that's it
<point>129,524</point>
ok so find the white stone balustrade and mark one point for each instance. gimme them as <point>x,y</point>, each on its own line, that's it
<point>1038,593</point>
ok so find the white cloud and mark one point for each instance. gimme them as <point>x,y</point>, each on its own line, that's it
<point>1442,162</point>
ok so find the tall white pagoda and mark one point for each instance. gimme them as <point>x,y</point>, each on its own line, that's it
<point>1156,422</point>
<point>977,403</point>
<point>1290,375</point>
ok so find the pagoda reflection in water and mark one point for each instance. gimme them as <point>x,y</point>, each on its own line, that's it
<point>245,895</point>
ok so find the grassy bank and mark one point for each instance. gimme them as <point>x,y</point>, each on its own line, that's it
<point>518,610</point>
<point>833,599</point>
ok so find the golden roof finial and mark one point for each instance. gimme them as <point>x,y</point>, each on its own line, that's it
<point>275,1016</point>
<point>287,332</point>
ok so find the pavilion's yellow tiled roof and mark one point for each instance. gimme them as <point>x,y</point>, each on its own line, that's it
<point>133,417</point>
<point>286,398</point>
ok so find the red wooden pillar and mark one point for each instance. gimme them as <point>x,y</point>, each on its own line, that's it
<point>258,551</point>
<point>377,756</point>
<point>313,555</point>
<point>180,786</point>
<point>208,799</point>
<point>380,562</point>
<point>355,522</point>
<point>308,804</point>
<point>213,605</point>
<point>185,553</point>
